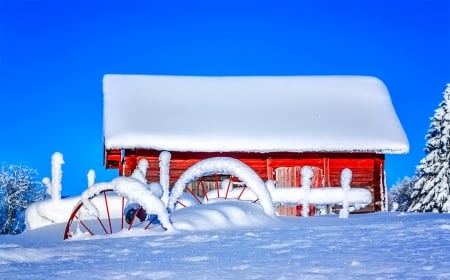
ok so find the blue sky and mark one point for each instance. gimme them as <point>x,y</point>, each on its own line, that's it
<point>53,55</point>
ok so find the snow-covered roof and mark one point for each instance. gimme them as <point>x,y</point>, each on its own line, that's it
<point>251,114</point>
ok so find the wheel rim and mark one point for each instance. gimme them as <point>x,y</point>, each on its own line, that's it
<point>112,208</point>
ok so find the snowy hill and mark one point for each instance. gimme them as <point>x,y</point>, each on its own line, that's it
<point>369,246</point>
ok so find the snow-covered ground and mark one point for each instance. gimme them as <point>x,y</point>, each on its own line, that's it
<point>381,245</point>
<point>223,239</point>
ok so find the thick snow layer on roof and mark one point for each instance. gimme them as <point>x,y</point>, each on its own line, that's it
<point>251,114</point>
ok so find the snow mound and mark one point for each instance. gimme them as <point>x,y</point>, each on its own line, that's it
<point>48,212</point>
<point>221,215</point>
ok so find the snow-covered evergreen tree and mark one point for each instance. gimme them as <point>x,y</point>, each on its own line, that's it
<point>400,194</point>
<point>18,188</point>
<point>431,191</point>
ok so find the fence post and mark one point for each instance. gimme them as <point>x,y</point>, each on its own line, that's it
<point>307,174</point>
<point>346,178</point>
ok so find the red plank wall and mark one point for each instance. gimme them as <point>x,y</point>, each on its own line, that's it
<point>367,168</point>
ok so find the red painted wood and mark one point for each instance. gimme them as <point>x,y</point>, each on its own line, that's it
<point>367,168</point>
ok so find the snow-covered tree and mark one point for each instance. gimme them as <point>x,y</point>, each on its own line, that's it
<point>18,189</point>
<point>400,194</point>
<point>431,191</point>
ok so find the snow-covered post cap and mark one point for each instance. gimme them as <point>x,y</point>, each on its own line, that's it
<point>307,174</point>
<point>346,178</point>
<point>48,185</point>
<point>140,172</point>
<point>57,162</point>
<point>91,177</point>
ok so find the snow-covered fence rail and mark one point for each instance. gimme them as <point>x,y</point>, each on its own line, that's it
<point>343,195</point>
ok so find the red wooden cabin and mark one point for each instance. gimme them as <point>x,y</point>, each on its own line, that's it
<point>276,125</point>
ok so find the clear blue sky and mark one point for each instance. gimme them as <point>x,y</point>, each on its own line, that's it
<point>53,55</point>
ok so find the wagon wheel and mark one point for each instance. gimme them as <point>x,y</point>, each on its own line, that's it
<point>219,178</point>
<point>215,187</point>
<point>114,216</point>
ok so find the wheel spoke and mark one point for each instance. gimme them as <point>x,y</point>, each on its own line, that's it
<point>205,191</point>
<point>107,211</point>
<point>228,188</point>
<point>134,217</point>
<point>151,222</point>
<point>181,203</point>
<point>123,210</point>
<point>86,227</point>
<point>103,226</point>
<point>192,193</point>
<point>217,185</point>
<point>243,189</point>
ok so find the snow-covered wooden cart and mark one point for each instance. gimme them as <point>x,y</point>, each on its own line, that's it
<point>289,144</point>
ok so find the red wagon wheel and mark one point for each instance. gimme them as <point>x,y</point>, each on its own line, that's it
<point>220,173</point>
<point>114,216</point>
<point>215,187</point>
